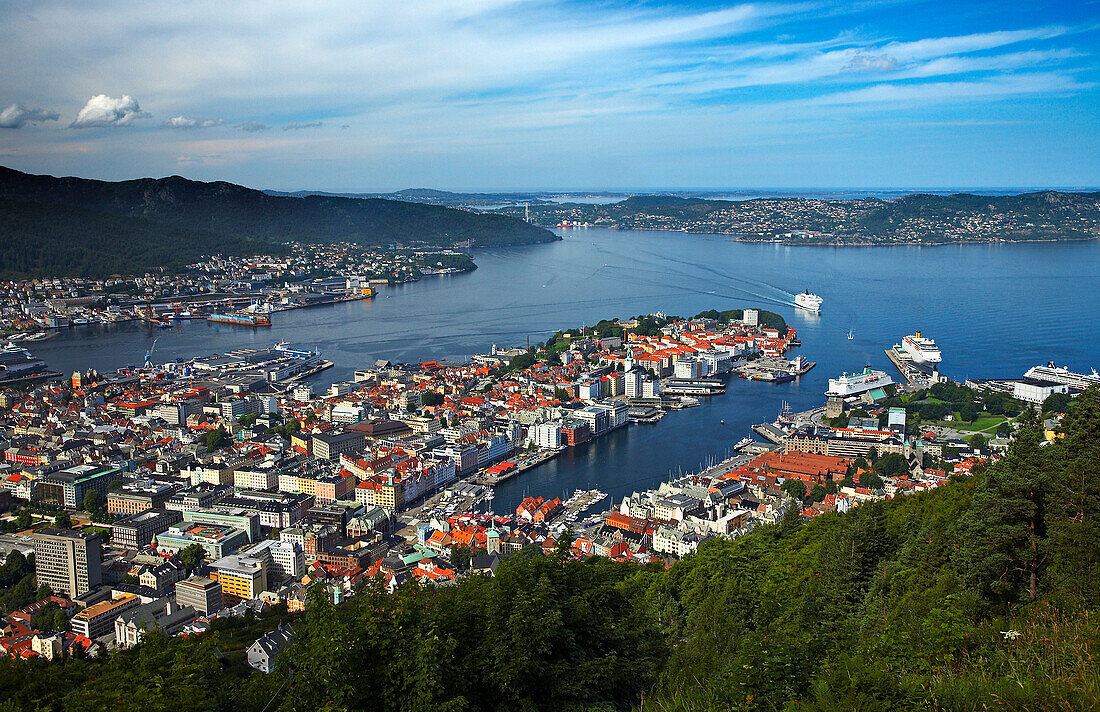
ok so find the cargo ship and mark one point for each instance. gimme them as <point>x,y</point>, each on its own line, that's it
<point>240,319</point>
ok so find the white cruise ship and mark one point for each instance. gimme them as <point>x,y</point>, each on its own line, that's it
<point>921,349</point>
<point>808,301</point>
<point>17,364</point>
<point>856,383</point>
<point>1062,374</point>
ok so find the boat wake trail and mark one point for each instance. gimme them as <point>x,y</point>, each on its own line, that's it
<point>753,288</point>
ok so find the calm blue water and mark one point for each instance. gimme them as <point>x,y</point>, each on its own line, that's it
<point>995,310</point>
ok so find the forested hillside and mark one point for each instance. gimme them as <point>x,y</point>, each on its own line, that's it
<point>55,240</point>
<point>979,595</point>
<point>161,219</point>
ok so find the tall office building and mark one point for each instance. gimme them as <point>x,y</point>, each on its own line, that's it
<point>67,561</point>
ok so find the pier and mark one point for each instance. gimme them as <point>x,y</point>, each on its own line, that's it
<point>913,374</point>
<point>770,432</point>
<point>520,467</point>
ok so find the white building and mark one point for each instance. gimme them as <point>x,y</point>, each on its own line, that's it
<point>1034,390</point>
<point>547,435</point>
<point>677,543</point>
<point>284,558</point>
<point>258,479</point>
<point>687,369</point>
<point>632,384</point>
<point>348,413</point>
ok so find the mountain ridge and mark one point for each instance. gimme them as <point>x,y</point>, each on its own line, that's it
<point>241,213</point>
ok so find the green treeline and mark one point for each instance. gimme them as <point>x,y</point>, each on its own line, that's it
<point>981,594</point>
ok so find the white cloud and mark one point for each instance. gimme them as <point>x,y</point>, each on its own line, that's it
<point>887,95</point>
<point>252,126</point>
<point>104,111</point>
<point>877,62</point>
<point>185,122</point>
<point>295,126</point>
<point>17,116</point>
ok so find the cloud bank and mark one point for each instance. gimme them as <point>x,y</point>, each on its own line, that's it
<point>558,93</point>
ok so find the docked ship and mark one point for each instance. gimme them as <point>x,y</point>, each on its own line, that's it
<point>920,350</point>
<point>1062,374</point>
<point>808,301</point>
<point>240,319</point>
<point>857,383</point>
<point>17,364</point>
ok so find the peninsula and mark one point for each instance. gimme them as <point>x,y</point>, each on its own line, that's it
<point>913,219</point>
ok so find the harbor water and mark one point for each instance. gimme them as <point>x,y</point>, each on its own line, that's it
<point>994,310</point>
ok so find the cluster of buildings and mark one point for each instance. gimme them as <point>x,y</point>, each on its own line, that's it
<point>226,484</point>
<point>308,275</point>
<point>793,218</point>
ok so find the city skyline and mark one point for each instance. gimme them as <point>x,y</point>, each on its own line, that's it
<point>556,95</point>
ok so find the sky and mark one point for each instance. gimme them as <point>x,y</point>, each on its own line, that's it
<point>550,94</point>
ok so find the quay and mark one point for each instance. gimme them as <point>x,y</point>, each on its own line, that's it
<point>694,387</point>
<point>775,370</point>
<point>913,374</point>
<point>769,432</point>
<point>503,474</point>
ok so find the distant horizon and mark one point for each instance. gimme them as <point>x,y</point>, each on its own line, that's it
<point>612,191</point>
<point>768,189</point>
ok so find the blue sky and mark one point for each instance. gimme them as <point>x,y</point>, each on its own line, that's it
<point>543,94</point>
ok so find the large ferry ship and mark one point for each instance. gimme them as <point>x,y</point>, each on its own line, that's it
<point>856,383</point>
<point>921,349</point>
<point>808,301</point>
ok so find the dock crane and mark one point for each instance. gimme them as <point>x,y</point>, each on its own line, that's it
<point>149,354</point>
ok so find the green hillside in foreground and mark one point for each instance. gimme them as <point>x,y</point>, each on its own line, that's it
<point>979,595</point>
<point>189,212</point>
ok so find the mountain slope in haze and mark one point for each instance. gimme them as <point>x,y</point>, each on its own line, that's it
<point>58,240</point>
<point>235,211</point>
<point>432,197</point>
